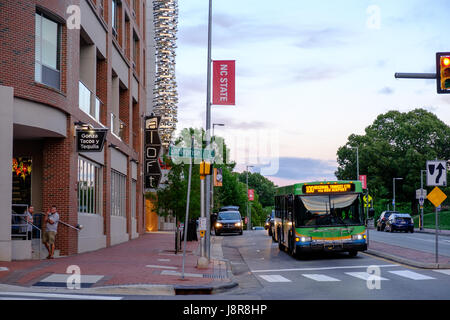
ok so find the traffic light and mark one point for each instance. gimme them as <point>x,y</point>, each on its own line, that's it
<point>443,72</point>
<point>205,168</point>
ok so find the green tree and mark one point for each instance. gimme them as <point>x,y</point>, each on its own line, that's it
<point>263,187</point>
<point>396,145</point>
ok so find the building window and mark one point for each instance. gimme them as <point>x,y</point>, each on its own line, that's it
<point>115,18</point>
<point>118,194</point>
<point>90,189</point>
<point>135,51</point>
<point>47,51</point>
<point>133,198</point>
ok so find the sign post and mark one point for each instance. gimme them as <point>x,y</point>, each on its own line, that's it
<point>436,197</point>
<point>187,209</point>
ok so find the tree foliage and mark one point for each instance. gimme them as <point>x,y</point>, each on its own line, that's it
<point>396,145</point>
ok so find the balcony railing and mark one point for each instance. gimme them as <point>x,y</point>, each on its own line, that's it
<point>89,102</point>
<point>117,126</point>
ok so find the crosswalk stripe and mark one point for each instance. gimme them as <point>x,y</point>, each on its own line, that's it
<point>275,278</point>
<point>411,275</point>
<point>320,277</point>
<point>61,296</point>
<point>447,271</point>
<point>365,276</point>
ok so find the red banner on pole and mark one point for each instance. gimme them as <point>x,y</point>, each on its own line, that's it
<point>363,179</point>
<point>223,82</point>
<point>251,194</point>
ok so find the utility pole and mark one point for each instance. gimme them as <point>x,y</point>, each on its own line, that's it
<point>393,187</point>
<point>422,195</point>
<point>249,215</point>
<point>207,188</point>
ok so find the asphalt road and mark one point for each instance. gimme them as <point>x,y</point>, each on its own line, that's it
<point>263,272</point>
<point>418,241</point>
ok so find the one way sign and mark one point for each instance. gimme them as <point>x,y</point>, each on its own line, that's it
<point>436,173</point>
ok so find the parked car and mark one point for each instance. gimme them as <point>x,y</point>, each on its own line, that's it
<point>381,222</point>
<point>258,228</point>
<point>400,222</point>
<point>228,222</point>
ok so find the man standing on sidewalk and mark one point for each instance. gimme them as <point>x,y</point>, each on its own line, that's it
<point>51,219</point>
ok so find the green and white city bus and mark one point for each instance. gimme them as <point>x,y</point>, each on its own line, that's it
<point>320,216</point>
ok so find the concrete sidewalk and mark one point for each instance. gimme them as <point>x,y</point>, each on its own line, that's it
<point>147,265</point>
<point>415,258</point>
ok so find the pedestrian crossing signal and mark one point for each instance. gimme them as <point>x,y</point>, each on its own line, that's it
<point>443,72</point>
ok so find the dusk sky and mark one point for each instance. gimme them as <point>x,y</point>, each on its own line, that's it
<point>308,74</point>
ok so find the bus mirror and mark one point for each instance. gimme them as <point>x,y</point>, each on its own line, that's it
<point>371,212</point>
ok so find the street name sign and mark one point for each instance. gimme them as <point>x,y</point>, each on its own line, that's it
<point>437,173</point>
<point>436,197</point>
<point>197,154</point>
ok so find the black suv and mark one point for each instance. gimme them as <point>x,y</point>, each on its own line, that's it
<point>228,222</point>
<point>381,222</point>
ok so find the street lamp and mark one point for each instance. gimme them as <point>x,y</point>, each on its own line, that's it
<point>393,182</point>
<point>216,124</point>
<point>248,215</point>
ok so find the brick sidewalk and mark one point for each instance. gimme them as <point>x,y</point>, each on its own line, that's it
<point>124,264</point>
<point>410,254</point>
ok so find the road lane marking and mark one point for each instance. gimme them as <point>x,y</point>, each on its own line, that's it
<point>161,267</point>
<point>411,275</point>
<point>176,273</point>
<point>320,277</point>
<point>365,276</point>
<point>447,272</point>
<point>163,260</point>
<point>56,295</point>
<point>275,278</point>
<point>326,268</point>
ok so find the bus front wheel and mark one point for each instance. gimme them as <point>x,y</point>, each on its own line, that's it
<point>353,253</point>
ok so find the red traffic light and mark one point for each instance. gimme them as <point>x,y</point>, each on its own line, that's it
<point>443,72</point>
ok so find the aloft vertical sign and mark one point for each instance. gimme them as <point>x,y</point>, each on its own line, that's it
<point>223,82</point>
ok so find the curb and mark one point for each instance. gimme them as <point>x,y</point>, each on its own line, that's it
<point>432,232</point>
<point>406,261</point>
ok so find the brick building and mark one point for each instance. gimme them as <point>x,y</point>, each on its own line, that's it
<point>55,77</point>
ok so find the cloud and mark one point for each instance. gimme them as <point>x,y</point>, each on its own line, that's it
<point>304,169</point>
<point>319,38</point>
<point>386,90</point>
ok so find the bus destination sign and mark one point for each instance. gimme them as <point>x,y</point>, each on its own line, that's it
<point>328,188</point>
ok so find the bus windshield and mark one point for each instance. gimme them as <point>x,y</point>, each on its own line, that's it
<point>328,210</point>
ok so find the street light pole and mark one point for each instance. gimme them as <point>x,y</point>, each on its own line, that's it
<point>393,182</point>
<point>357,163</point>
<point>207,187</point>
<point>248,215</point>
<point>421,194</point>
<point>212,184</point>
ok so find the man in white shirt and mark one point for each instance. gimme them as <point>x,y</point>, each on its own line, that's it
<point>51,218</point>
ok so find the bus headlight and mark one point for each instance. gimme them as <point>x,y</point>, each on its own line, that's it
<point>218,225</point>
<point>358,237</point>
<point>303,239</point>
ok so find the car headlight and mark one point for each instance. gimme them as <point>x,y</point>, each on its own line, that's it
<point>303,239</point>
<point>358,237</point>
<point>218,225</point>
<point>238,224</point>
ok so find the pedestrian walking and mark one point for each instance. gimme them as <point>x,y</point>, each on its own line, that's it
<point>51,218</point>
<point>29,219</point>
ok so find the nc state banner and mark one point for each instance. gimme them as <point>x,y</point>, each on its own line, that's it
<point>223,82</point>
